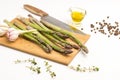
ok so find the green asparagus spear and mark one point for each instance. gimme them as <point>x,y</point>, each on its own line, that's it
<point>83,47</point>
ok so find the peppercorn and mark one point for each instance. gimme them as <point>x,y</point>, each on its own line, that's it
<point>106,28</point>
<point>81,28</point>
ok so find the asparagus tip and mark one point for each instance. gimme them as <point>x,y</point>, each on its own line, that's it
<point>85,49</point>
<point>68,51</point>
<point>68,46</point>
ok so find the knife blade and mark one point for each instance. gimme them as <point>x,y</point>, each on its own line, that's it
<point>45,17</point>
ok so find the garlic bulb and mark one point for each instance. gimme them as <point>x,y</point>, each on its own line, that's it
<point>12,34</point>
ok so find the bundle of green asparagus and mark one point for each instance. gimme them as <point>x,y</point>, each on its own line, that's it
<point>48,37</point>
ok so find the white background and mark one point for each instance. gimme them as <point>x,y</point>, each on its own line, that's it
<point>104,52</point>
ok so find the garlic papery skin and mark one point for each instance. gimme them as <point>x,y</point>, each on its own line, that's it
<point>3,30</point>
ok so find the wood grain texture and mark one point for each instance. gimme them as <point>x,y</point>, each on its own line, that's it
<point>29,47</point>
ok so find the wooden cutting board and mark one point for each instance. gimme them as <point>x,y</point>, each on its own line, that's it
<point>29,47</point>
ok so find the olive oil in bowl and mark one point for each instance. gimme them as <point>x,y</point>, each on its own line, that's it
<point>77,15</point>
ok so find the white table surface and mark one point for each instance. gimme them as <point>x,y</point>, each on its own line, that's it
<point>103,51</point>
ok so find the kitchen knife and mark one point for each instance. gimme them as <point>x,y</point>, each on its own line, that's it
<point>45,17</point>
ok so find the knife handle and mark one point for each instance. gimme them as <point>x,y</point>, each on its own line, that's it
<point>35,10</point>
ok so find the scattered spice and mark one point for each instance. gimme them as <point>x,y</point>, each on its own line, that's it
<point>107,17</point>
<point>92,26</point>
<point>81,28</point>
<point>106,28</point>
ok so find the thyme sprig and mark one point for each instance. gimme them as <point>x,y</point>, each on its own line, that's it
<point>48,69</point>
<point>84,69</point>
<point>32,61</point>
<point>35,68</point>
